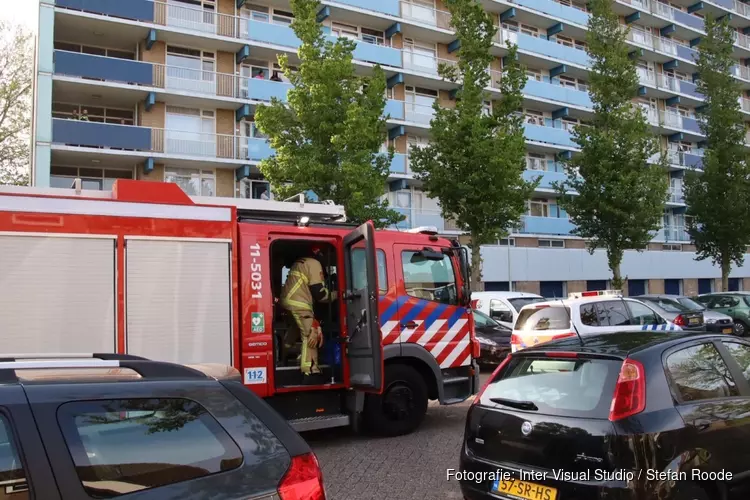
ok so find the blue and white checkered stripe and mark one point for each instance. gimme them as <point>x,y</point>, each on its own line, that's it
<point>663,328</point>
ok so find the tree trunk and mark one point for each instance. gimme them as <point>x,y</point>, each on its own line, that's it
<point>614,257</point>
<point>476,266</point>
<point>726,266</point>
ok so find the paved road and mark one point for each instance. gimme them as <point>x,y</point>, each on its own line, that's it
<point>405,468</point>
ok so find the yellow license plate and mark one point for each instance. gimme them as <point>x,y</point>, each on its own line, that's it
<point>525,490</point>
<point>726,330</point>
<point>693,321</point>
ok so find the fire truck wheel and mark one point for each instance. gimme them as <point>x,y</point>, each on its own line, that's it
<point>401,407</point>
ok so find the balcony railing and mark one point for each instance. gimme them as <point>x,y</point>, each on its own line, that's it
<point>546,225</point>
<point>423,63</point>
<point>418,113</point>
<point>672,233</point>
<point>424,14</point>
<point>742,9</point>
<point>661,44</point>
<point>676,195</point>
<point>741,72</point>
<point>745,104</point>
<point>685,159</point>
<point>418,217</point>
<point>544,47</point>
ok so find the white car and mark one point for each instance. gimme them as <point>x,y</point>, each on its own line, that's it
<point>590,312</point>
<point>503,307</point>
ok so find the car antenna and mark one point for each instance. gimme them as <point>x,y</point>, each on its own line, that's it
<point>570,319</point>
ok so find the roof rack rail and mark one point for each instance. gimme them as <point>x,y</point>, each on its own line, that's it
<point>147,369</point>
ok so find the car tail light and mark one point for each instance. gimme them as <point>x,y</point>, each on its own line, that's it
<point>563,336</point>
<point>630,391</point>
<point>679,320</point>
<point>491,378</point>
<point>303,480</point>
<point>561,354</point>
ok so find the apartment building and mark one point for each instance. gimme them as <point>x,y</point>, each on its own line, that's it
<point>167,91</point>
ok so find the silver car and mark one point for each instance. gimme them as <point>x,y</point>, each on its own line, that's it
<point>680,309</point>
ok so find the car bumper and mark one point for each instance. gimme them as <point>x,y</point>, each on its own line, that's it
<point>714,328</point>
<point>478,485</point>
<point>493,354</point>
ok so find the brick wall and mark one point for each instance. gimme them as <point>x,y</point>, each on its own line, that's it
<point>399,92</point>
<point>157,54</point>
<point>527,242</point>
<point>225,129</point>
<point>655,286</point>
<point>576,286</point>
<point>575,244</point>
<point>397,42</point>
<point>443,53</point>
<point>527,286</point>
<point>156,175</point>
<point>225,184</point>
<point>225,66</point>
<point>445,99</point>
<point>690,286</point>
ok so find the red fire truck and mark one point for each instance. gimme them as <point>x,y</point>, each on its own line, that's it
<point>147,270</point>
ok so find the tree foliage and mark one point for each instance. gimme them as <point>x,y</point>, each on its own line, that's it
<point>15,104</point>
<point>718,214</point>
<point>474,163</point>
<point>329,135</point>
<point>612,194</point>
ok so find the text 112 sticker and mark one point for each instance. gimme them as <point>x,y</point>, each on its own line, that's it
<point>255,375</point>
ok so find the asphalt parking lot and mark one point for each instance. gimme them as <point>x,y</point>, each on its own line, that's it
<point>405,468</point>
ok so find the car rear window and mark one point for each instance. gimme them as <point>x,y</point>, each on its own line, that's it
<point>524,301</point>
<point>129,445</point>
<point>544,318</point>
<point>581,387</point>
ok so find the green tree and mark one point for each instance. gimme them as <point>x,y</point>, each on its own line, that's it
<point>612,194</point>
<point>718,214</point>
<point>475,161</point>
<point>328,136</point>
<point>15,104</point>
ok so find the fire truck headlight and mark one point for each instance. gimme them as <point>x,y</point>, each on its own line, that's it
<point>303,221</point>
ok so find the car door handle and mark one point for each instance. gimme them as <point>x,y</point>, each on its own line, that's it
<point>410,325</point>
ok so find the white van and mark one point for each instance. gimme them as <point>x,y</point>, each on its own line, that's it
<point>503,307</point>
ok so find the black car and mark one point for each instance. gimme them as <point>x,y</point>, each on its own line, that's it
<point>493,338</point>
<point>122,426</point>
<point>629,415</point>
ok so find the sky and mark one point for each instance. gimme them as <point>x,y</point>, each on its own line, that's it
<point>22,12</point>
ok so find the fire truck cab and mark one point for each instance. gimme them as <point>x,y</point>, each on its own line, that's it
<point>149,271</point>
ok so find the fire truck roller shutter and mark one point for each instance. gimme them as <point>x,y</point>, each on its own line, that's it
<point>178,305</point>
<point>57,293</point>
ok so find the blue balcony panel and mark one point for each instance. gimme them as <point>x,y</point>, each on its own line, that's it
<point>547,177</point>
<point>687,19</point>
<point>549,135</point>
<point>92,134</point>
<point>690,89</point>
<point>553,50</point>
<point>687,53</point>
<point>272,33</point>
<point>104,68</point>
<point>727,4</point>
<point>390,7</point>
<point>258,149</point>
<point>557,93</point>
<point>140,10</point>
<point>398,164</point>
<point>556,10</point>
<point>547,225</point>
<point>379,54</point>
<point>429,219</point>
<point>264,90</point>
<point>395,109</point>
<point>693,161</point>
<point>692,125</point>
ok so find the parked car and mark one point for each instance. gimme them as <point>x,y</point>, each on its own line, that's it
<point>493,338</point>
<point>734,304</point>
<point>714,321</point>
<point>111,425</point>
<point>584,313</point>
<point>689,318</point>
<point>560,421</point>
<point>503,307</point>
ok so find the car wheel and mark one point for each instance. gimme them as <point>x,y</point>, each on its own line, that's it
<point>401,407</point>
<point>740,328</point>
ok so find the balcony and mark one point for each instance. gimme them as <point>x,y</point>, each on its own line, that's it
<point>547,177</point>
<point>663,45</point>
<point>558,93</point>
<point>101,135</point>
<point>418,113</point>
<point>672,233</point>
<point>550,135</point>
<point>103,68</point>
<point>416,217</point>
<point>674,120</point>
<point>741,72</point>
<point>423,63</point>
<point>424,15</point>
<point>676,196</point>
<point>389,7</point>
<point>556,10</point>
<point>399,164</point>
<point>687,160</point>
<point>138,10</point>
<point>544,47</point>
<point>546,225</point>
<point>742,9</point>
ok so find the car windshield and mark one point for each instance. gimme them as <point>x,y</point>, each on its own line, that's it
<point>691,304</point>
<point>481,319</point>
<point>566,387</point>
<point>519,302</point>
<point>543,318</point>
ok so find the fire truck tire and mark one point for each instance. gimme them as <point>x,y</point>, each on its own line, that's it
<point>401,407</point>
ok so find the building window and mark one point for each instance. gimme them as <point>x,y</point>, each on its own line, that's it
<point>193,181</point>
<point>529,30</point>
<point>551,243</point>
<point>96,51</point>
<point>671,248</point>
<point>534,117</point>
<point>189,64</point>
<point>358,33</point>
<point>538,208</point>
<point>98,179</point>
<point>97,114</point>
<point>423,55</point>
<point>510,26</point>
<point>564,40</point>
<point>533,74</point>
<point>11,467</point>
<point>535,161</point>
<point>504,242</point>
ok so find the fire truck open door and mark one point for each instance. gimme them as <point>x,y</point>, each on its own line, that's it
<point>364,348</point>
